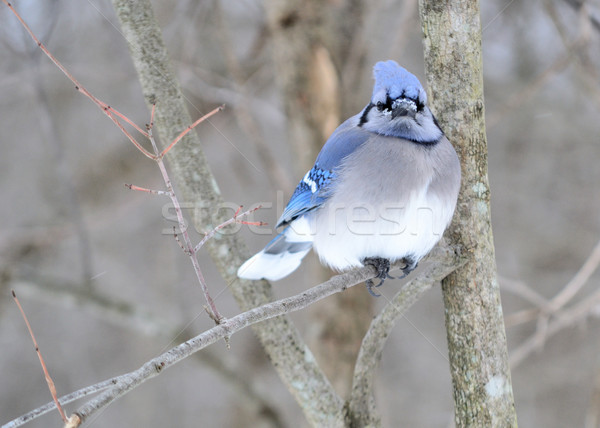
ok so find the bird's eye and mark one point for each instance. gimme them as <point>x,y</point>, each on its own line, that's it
<point>380,105</point>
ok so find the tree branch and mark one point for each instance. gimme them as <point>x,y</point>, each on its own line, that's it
<point>127,382</point>
<point>131,317</point>
<point>442,261</point>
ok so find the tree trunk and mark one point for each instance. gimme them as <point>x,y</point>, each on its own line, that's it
<point>475,328</point>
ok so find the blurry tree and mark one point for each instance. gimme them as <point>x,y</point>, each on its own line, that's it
<point>309,59</point>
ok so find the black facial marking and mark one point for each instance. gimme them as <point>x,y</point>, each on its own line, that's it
<point>388,104</point>
<point>363,118</point>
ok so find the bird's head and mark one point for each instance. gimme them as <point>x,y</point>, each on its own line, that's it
<point>398,106</point>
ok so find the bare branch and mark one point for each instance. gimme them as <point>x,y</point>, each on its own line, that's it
<point>442,261</point>
<point>237,218</point>
<point>143,189</point>
<point>522,290</point>
<point>49,380</point>
<point>132,318</point>
<point>155,366</point>
<point>109,111</point>
<point>66,399</point>
<point>567,318</point>
<point>578,281</point>
<point>120,385</point>
<point>187,245</point>
<point>554,308</point>
<point>553,317</point>
<point>189,128</point>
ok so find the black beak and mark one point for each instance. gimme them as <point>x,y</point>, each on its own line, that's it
<point>404,107</point>
<point>403,111</point>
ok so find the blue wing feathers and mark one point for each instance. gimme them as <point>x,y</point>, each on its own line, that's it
<point>314,188</point>
<point>309,194</point>
<point>344,140</point>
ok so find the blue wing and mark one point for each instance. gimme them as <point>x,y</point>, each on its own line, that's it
<point>316,185</point>
<point>309,194</point>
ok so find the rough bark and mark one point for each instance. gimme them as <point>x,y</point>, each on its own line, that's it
<point>475,327</point>
<point>289,354</point>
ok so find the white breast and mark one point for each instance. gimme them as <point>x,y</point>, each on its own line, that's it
<point>346,235</point>
<point>386,203</point>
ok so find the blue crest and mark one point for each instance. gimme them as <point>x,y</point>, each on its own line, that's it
<point>395,81</point>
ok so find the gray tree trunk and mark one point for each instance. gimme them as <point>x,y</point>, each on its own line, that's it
<point>475,327</point>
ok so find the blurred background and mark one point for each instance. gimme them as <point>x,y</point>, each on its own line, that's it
<point>106,287</point>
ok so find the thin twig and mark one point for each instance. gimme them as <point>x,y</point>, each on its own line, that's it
<point>552,307</point>
<point>120,385</point>
<point>522,290</point>
<point>578,281</point>
<point>553,316</point>
<point>129,121</point>
<point>567,318</point>
<point>123,314</point>
<point>143,189</point>
<point>235,219</point>
<point>65,399</point>
<point>179,241</point>
<point>109,111</point>
<point>521,317</point>
<point>49,380</point>
<point>158,157</point>
<point>187,242</point>
<point>189,128</point>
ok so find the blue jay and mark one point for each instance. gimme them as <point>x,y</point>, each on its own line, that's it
<point>383,188</point>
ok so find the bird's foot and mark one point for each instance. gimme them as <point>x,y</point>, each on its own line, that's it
<point>411,265</point>
<point>383,268</point>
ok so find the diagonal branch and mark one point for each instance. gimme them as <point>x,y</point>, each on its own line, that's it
<point>49,380</point>
<point>189,128</point>
<point>443,260</point>
<point>109,111</point>
<point>123,314</point>
<point>127,382</point>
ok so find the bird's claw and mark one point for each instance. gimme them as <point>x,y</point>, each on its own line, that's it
<point>370,284</point>
<point>383,267</point>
